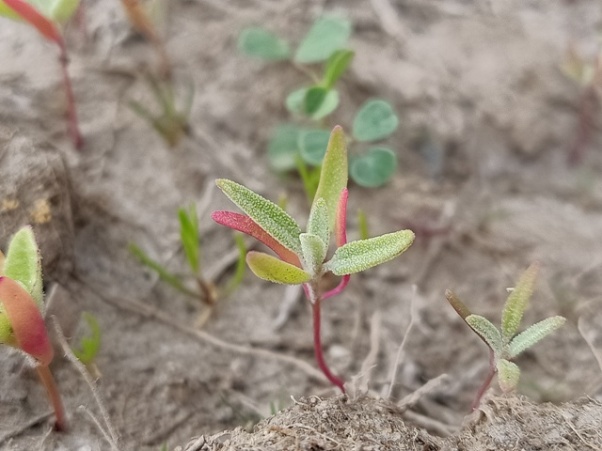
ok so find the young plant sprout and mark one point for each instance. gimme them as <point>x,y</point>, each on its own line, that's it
<point>302,257</point>
<point>205,290</point>
<point>21,303</point>
<point>295,147</point>
<point>89,345</point>
<point>47,17</point>
<point>505,344</point>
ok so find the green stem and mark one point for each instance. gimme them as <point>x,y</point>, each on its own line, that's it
<point>54,396</point>
<point>318,348</point>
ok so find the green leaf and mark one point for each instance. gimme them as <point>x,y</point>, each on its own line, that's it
<point>269,216</point>
<point>327,35</point>
<point>517,301</point>
<point>7,335</point>
<point>261,43</point>
<point>534,334</point>
<point>283,147</point>
<point>362,224</point>
<point>486,330</point>
<point>295,103</point>
<point>189,235</point>
<point>375,120</point>
<point>336,66</point>
<point>310,178</point>
<point>508,374</point>
<point>63,10</point>
<point>360,255</point>
<point>312,146</point>
<point>375,168</point>
<point>319,223</point>
<point>89,345</point>
<point>162,272</point>
<point>314,252</point>
<point>5,11</point>
<point>314,98</point>
<point>23,263</point>
<point>275,270</point>
<point>334,173</point>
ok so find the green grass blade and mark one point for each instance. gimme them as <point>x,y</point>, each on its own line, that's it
<point>189,235</point>
<point>241,265</point>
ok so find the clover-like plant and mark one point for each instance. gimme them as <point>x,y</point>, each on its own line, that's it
<point>505,344</point>
<point>295,146</point>
<point>205,291</point>
<point>303,257</point>
<point>47,17</point>
<point>21,303</point>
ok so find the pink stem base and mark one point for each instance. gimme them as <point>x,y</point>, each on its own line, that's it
<point>477,401</point>
<point>318,349</point>
<point>54,396</point>
<point>72,121</point>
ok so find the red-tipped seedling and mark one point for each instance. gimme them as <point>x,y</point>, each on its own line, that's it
<point>302,257</point>
<point>47,17</point>
<point>505,344</point>
<point>21,322</point>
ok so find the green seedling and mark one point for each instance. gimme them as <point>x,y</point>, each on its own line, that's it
<point>172,122</point>
<point>588,75</point>
<point>302,257</point>
<point>204,291</point>
<point>21,312</point>
<point>307,138</point>
<point>47,17</point>
<point>89,345</point>
<point>505,344</point>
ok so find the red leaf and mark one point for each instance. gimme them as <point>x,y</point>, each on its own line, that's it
<point>26,320</point>
<point>31,15</point>
<point>244,224</point>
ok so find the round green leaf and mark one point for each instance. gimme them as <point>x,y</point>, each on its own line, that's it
<point>314,98</point>
<point>327,35</point>
<point>375,120</point>
<point>373,169</point>
<point>261,43</point>
<point>283,147</point>
<point>296,103</point>
<point>312,146</point>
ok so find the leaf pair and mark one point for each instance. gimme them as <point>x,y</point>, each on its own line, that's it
<point>505,343</point>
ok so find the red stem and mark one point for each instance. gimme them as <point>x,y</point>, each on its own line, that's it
<point>477,401</point>
<point>53,395</point>
<point>72,121</point>
<point>318,348</point>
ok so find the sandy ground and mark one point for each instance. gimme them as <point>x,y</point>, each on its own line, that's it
<point>483,78</point>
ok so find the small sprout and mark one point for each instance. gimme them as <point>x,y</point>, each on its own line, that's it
<point>302,256</point>
<point>205,291</point>
<point>21,316</point>
<point>172,121</point>
<point>89,345</point>
<point>504,343</point>
<point>47,17</point>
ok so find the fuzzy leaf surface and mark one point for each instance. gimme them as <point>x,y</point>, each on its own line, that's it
<point>314,252</point>
<point>486,330</point>
<point>360,255</point>
<point>374,168</point>
<point>23,263</point>
<point>517,301</point>
<point>375,120</point>
<point>534,334</point>
<point>319,223</point>
<point>334,173</point>
<point>327,35</point>
<point>340,227</point>
<point>508,374</point>
<point>272,269</point>
<point>29,330</point>
<point>246,225</point>
<point>459,306</point>
<point>260,43</point>
<point>269,216</point>
<point>35,18</point>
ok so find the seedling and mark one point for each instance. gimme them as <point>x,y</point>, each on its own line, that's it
<point>293,146</point>
<point>140,20</point>
<point>21,317</point>
<point>89,345</point>
<point>505,344</point>
<point>588,74</point>
<point>47,17</point>
<point>302,257</point>
<point>205,291</point>
<point>172,121</point>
